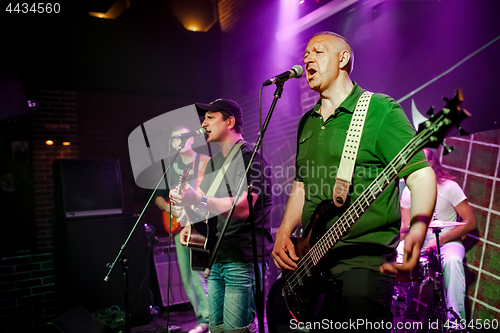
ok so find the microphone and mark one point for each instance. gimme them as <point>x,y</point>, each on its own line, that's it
<point>188,135</point>
<point>296,71</point>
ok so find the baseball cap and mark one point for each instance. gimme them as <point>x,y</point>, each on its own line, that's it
<point>227,105</point>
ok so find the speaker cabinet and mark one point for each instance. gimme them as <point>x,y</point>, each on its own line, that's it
<point>87,187</point>
<point>162,261</point>
<point>83,247</point>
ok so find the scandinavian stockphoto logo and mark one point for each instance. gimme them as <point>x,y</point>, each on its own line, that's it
<point>151,153</point>
<point>149,145</point>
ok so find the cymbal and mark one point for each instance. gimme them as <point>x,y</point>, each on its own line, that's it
<point>444,224</point>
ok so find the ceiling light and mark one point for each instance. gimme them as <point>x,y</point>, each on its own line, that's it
<point>195,15</point>
<point>118,7</point>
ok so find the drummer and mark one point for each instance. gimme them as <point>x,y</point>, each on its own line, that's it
<point>451,202</point>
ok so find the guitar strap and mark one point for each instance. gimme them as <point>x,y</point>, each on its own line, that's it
<point>222,171</point>
<point>348,160</point>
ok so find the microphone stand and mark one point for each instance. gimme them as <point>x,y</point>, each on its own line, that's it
<point>260,300</point>
<point>259,297</point>
<point>122,259</point>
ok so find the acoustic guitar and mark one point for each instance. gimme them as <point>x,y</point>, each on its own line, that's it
<point>201,238</point>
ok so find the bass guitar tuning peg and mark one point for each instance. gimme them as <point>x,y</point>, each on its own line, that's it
<point>430,113</point>
<point>447,149</point>
<point>461,131</point>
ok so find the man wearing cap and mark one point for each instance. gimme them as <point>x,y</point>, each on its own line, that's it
<point>231,283</point>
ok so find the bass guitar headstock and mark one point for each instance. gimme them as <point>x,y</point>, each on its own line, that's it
<point>435,129</point>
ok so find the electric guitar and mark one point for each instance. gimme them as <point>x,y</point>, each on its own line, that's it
<point>171,223</point>
<point>302,288</point>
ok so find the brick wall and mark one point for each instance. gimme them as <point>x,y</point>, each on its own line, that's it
<point>27,282</point>
<point>56,119</point>
<point>26,292</point>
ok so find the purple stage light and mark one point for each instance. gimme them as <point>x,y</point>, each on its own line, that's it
<point>32,104</point>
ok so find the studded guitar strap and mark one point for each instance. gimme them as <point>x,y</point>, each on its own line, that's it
<point>348,160</point>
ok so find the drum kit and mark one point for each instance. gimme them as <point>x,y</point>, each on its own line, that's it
<point>429,270</point>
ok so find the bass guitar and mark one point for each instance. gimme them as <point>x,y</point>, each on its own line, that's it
<point>171,223</point>
<point>302,288</point>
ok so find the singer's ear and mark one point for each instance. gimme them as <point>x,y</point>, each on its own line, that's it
<point>344,59</point>
<point>230,122</point>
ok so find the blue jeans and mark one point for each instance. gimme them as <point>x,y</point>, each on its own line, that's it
<point>231,297</point>
<point>194,283</point>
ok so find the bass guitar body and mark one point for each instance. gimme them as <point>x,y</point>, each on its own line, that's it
<point>303,292</point>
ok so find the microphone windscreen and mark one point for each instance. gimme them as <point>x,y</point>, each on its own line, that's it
<point>298,71</point>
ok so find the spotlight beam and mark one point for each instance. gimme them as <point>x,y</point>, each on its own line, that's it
<point>312,18</point>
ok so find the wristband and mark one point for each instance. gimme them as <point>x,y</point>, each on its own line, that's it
<point>203,202</point>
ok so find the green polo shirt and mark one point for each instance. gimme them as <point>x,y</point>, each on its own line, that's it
<point>373,238</point>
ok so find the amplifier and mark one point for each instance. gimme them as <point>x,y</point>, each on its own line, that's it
<point>162,262</point>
